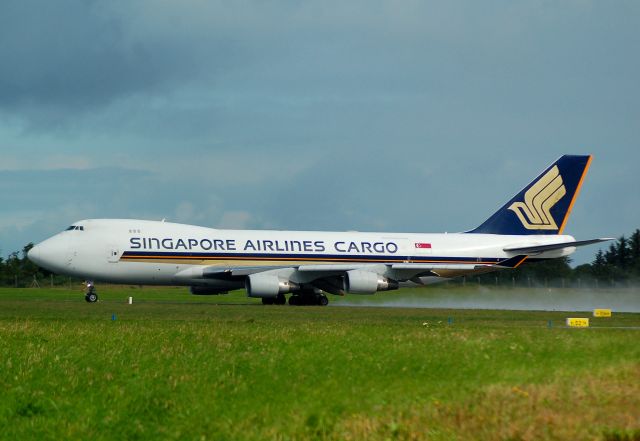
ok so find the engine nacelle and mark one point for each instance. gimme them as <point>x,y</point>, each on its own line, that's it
<point>268,285</point>
<point>367,282</point>
<point>207,291</point>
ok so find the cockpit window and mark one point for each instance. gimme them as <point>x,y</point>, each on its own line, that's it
<point>75,227</point>
<point>72,227</point>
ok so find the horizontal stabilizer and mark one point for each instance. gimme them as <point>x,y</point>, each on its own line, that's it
<point>532,249</point>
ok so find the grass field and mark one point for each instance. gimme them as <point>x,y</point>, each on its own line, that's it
<point>175,366</point>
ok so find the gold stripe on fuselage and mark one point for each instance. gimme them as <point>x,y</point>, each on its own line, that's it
<point>273,261</point>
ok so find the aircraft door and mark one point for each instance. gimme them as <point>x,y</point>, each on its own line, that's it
<point>114,254</point>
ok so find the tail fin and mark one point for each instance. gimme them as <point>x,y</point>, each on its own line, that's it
<point>543,206</point>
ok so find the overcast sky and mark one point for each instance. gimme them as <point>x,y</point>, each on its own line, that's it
<point>332,115</point>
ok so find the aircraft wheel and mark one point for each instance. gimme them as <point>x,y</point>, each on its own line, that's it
<point>323,300</point>
<point>280,300</point>
<point>92,297</point>
<point>294,300</point>
<point>267,301</point>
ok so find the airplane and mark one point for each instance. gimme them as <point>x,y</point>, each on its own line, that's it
<point>309,264</point>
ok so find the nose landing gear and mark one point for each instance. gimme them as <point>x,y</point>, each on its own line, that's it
<point>90,294</point>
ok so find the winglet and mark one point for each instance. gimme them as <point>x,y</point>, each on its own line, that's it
<point>543,206</point>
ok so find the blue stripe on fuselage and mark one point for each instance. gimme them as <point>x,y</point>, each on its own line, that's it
<point>129,255</point>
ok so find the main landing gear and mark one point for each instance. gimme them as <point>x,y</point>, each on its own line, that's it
<point>297,300</point>
<point>280,299</point>
<point>90,294</point>
<point>316,299</point>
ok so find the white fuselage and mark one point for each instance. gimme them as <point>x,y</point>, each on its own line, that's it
<point>164,253</point>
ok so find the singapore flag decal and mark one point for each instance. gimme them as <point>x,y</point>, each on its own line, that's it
<point>422,245</point>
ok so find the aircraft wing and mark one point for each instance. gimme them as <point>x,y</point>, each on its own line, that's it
<point>402,271</point>
<point>331,277</point>
<point>241,271</point>
<point>399,271</point>
<point>394,266</point>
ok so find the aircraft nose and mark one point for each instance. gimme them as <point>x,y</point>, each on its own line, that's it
<point>48,254</point>
<point>34,255</point>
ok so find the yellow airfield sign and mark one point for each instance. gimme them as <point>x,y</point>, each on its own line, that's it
<point>578,322</point>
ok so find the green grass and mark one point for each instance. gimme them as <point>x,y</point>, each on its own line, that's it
<point>176,366</point>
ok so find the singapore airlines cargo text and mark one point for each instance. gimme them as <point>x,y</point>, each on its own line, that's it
<point>317,246</point>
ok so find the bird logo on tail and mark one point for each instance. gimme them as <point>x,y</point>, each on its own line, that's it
<point>535,211</point>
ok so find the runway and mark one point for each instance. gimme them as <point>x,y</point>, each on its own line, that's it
<point>620,300</point>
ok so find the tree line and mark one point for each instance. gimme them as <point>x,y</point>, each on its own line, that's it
<point>619,265</point>
<point>18,271</point>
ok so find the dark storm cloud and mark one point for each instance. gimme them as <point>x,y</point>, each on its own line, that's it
<point>110,188</point>
<point>65,57</point>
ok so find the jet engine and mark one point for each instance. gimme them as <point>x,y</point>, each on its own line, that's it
<point>268,285</point>
<point>367,282</point>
